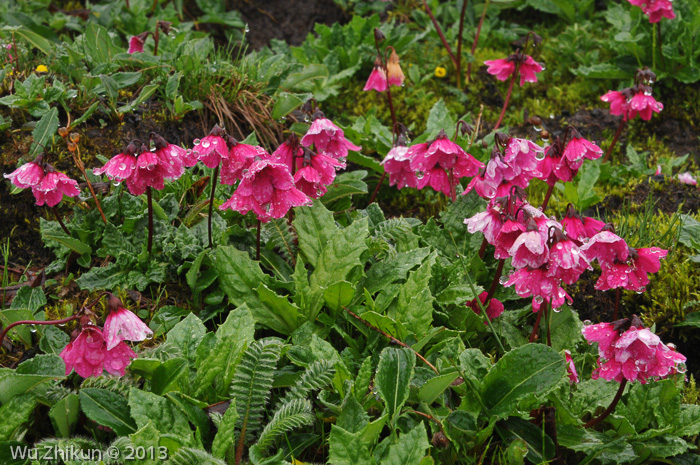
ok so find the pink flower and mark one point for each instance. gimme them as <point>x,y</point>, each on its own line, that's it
<point>28,175</point>
<point>288,152</point>
<point>172,158</point>
<point>136,43</point>
<point>267,189</point>
<point>636,354</point>
<point>239,160</point>
<point>566,262</point>
<point>212,149</point>
<point>580,228</point>
<point>656,9</point>
<point>503,68</point>
<point>52,188</point>
<point>377,79</point>
<point>530,248</point>
<point>89,356</point>
<point>607,247</point>
<point>121,166</point>
<point>535,282</point>
<point>488,222</point>
<point>619,102</point>
<point>571,368</point>
<point>578,149</point>
<point>150,171</point>
<point>398,164</point>
<point>494,309</point>
<point>123,325</point>
<point>328,138</point>
<point>523,157</point>
<point>437,179</point>
<point>632,273</point>
<point>316,173</point>
<point>643,103</point>
<point>687,178</point>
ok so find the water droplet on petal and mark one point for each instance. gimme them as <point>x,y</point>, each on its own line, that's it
<point>503,280</point>
<point>681,368</point>
<point>197,142</point>
<point>122,166</point>
<point>587,322</point>
<point>538,299</point>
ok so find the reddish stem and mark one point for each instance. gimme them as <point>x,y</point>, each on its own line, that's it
<point>211,202</point>
<point>257,243</point>
<point>31,322</point>
<point>391,103</point>
<point>505,104</point>
<point>453,187</point>
<point>442,36</point>
<point>618,291</point>
<point>476,38</point>
<point>610,408</point>
<point>548,309</point>
<point>495,282</point>
<point>547,197</point>
<point>150,219</point>
<point>533,334</point>
<point>374,194</point>
<point>612,145</point>
<point>60,221</point>
<point>459,44</point>
<point>482,249</point>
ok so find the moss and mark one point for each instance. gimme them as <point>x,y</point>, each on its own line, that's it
<point>690,392</point>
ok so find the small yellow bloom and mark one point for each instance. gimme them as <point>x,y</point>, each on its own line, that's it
<point>440,72</point>
<point>297,462</point>
<point>42,69</point>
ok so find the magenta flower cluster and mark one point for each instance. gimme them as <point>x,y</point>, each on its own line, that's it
<point>48,185</point>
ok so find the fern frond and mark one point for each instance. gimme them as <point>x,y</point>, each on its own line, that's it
<point>282,236</point>
<point>189,456</point>
<point>317,376</point>
<point>289,416</point>
<point>252,383</point>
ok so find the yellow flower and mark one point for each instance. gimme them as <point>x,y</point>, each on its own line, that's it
<point>440,72</point>
<point>42,69</point>
<point>297,462</point>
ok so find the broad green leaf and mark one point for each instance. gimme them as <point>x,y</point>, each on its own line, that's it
<point>312,71</point>
<point>22,331</point>
<point>348,449</point>
<point>286,314</point>
<point>64,415</point>
<point>169,420</point>
<point>36,40</point>
<point>166,375</point>
<point>540,446</point>
<point>432,388</point>
<point>353,417</point>
<point>15,413</point>
<point>44,365</point>
<point>414,304</point>
<point>285,104</point>
<point>688,421</point>
<point>409,449</point>
<point>393,377</point>
<point>394,268</point>
<point>72,243</point>
<point>474,364</point>
<point>660,447</point>
<point>54,340</point>
<point>187,335</point>
<point>339,295</point>
<point>146,437</point>
<point>225,436</point>
<point>439,119</point>
<point>97,44</point>
<point>31,298</point>
<point>344,185</point>
<point>44,131</point>
<point>315,226</point>
<point>15,384</point>
<point>107,408</point>
<point>9,453</point>
<point>232,338</point>
<point>654,404</point>
<point>532,369</point>
<point>144,366</point>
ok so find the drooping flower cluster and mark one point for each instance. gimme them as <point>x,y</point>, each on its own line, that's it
<point>386,71</point>
<point>635,100</point>
<point>48,185</point>
<point>628,350</point>
<point>563,158</point>
<point>524,65</point>
<point>655,9</point>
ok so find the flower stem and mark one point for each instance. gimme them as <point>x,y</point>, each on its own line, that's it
<point>376,189</point>
<point>653,47</point>
<point>149,199</point>
<point>483,308</point>
<point>31,322</point>
<point>548,315</point>
<point>610,408</point>
<point>614,141</point>
<point>257,242</point>
<point>618,292</point>
<point>442,36</point>
<point>476,37</point>
<point>60,221</point>
<point>547,197</point>
<point>211,202</point>
<point>459,43</point>
<point>391,338</point>
<point>533,334</point>
<point>482,249</point>
<point>156,35</point>
<point>496,278</point>
<point>391,105</point>
<point>660,42</point>
<point>505,104</point>
<point>453,187</point>
<point>81,167</point>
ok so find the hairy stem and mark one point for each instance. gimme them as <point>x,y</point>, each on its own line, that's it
<point>610,408</point>
<point>505,104</point>
<point>149,199</point>
<point>211,202</point>
<point>442,36</point>
<point>615,138</point>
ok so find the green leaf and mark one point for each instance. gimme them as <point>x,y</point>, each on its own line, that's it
<point>409,449</point>
<point>64,415</point>
<point>540,446</point>
<point>98,45</point>
<point>588,175</point>
<point>344,185</point>
<point>232,338</point>
<point>22,331</point>
<point>393,377</point>
<point>73,244</point>
<point>286,314</point>
<point>285,104</point>
<point>315,226</point>
<point>439,119</point>
<point>15,413</point>
<point>15,384</point>
<point>353,417</point>
<point>225,436</point>
<point>31,298</point>
<point>394,268</point>
<point>145,437</point>
<point>187,335</point>
<point>36,40</point>
<point>45,365</point>
<point>44,131</point>
<point>432,388</point>
<point>145,94</point>
<point>660,447</point>
<point>688,421</point>
<point>312,71</point>
<point>107,408</point>
<point>166,375</point>
<point>348,449</point>
<point>414,304</point>
<point>339,295</point>
<point>654,404</point>
<point>532,369</point>
<point>86,114</point>
<point>167,418</point>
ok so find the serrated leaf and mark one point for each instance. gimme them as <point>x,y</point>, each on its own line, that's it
<point>439,119</point>
<point>315,226</point>
<point>225,436</point>
<point>409,449</point>
<point>187,335</point>
<point>15,413</point>
<point>414,304</point>
<point>147,436</point>
<point>107,408</point>
<point>394,268</point>
<point>170,421</point>
<point>348,449</point>
<point>393,377</point>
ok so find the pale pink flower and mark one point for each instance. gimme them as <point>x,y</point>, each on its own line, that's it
<point>488,222</point>
<point>523,157</point>
<point>123,325</point>
<point>528,70</point>
<point>644,104</point>
<point>494,309</point>
<point>437,179</point>
<point>606,247</point>
<point>687,178</point>
<point>53,186</point>
<point>267,188</point>
<point>28,175</point>
<point>530,248</point>
<point>377,79</point>
<point>571,368</point>
<point>89,356</point>
<point>328,138</point>
<point>566,262</point>
<point>398,164</point>
<point>535,282</point>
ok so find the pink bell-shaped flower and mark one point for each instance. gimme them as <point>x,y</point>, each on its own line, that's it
<point>607,247</point>
<point>212,149</point>
<point>494,309</point>
<point>316,173</point>
<point>53,187</point>
<point>397,164</point>
<point>89,356</point>
<point>121,166</point>
<point>28,175</point>
<point>328,138</point>
<point>580,228</point>
<point>566,262</point>
<point>136,42</point>
<point>123,325</point>
<point>377,79</point>
<point>632,273</point>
